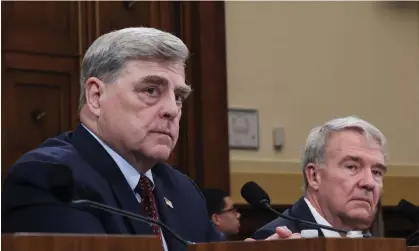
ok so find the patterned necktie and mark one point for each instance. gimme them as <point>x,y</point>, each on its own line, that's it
<point>147,200</point>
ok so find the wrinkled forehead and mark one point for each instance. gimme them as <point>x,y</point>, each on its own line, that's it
<point>139,72</point>
<point>156,66</point>
<point>354,142</point>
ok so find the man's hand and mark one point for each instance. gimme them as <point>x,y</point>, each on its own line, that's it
<point>281,233</point>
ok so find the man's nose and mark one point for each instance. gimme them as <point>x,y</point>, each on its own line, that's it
<point>170,108</point>
<point>367,181</point>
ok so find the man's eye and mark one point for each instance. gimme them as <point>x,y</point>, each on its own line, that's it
<point>378,173</point>
<point>351,167</point>
<point>180,98</point>
<point>151,90</point>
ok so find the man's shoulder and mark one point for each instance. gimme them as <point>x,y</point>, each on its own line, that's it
<point>55,149</point>
<point>47,171</point>
<point>270,228</point>
<point>299,210</point>
<point>48,161</point>
<point>36,172</point>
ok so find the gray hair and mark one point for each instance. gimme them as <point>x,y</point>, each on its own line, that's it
<point>317,139</point>
<point>110,52</point>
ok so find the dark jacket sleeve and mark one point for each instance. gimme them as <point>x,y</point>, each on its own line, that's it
<point>30,203</point>
<point>270,228</point>
<point>266,230</point>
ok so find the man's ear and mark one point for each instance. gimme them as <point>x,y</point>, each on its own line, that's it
<point>94,90</point>
<point>215,219</point>
<point>312,174</point>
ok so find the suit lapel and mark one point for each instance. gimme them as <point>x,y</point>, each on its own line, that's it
<point>163,194</point>
<point>102,162</point>
<point>127,201</point>
<point>301,211</point>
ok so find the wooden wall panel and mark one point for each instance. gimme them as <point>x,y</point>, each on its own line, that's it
<point>40,27</point>
<point>38,94</point>
<point>40,73</point>
<point>204,140</point>
<point>122,14</point>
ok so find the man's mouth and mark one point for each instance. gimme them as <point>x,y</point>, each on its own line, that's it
<point>163,132</point>
<point>363,199</point>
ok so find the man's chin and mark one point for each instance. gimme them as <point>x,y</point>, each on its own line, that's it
<point>361,218</point>
<point>160,153</point>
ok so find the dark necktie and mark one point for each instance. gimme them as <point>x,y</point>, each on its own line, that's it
<point>147,200</point>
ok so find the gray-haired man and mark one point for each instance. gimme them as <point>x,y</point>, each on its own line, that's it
<point>132,91</point>
<point>343,167</point>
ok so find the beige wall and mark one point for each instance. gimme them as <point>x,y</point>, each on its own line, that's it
<point>300,64</point>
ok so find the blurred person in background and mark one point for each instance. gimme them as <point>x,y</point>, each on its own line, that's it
<point>221,212</point>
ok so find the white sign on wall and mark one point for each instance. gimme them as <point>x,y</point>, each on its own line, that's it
<point>243,128</point>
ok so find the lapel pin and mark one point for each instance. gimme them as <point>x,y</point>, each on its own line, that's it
<point>168,202</point>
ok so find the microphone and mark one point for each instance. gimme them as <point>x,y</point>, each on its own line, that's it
<point>132,216</point>
<point>257,197</point>
<point>61,183</point>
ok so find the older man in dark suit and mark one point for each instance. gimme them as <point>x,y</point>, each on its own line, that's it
<point>343,167</point>
<point>132,91</point>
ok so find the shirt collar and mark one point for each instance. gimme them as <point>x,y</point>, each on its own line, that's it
<point>130,173</point>
<point>321,220</point>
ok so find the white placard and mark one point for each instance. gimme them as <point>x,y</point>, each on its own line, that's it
<point>243,128</point>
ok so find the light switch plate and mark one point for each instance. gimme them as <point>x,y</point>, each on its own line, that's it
<point>278,137</point>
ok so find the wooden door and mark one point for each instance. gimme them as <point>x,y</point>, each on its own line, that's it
<point>105,16</point>
<point>49,28</point>
<point>38,97</point>
<point>40,74</point>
